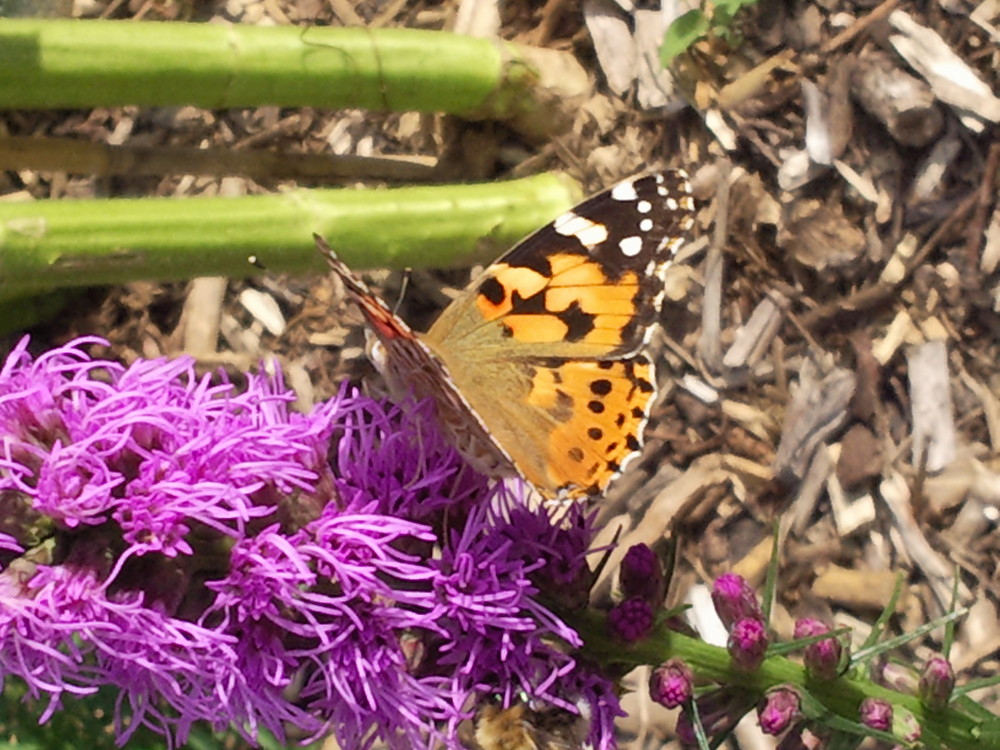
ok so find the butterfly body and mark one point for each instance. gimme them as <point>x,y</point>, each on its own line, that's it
<point>537,367</point>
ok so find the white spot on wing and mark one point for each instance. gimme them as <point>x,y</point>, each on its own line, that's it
<point>631,246</point>
<point>587,232</point>
<point>624,191</point>
<point>646,225</point>
<point>644,207</point>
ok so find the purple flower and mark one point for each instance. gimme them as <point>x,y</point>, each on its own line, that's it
<point>221,558</point>
<point>748,643</point>
<point>876,713</point>
<point>822,658</point>
<point>937,681</point>
<point>642,575</point>
<point>734,600</point>
<point>778,710</point>
<point>671,684</point>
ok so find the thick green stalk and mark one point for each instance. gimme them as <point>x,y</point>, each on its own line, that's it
<point>75,63</point>
<point>47,245</point>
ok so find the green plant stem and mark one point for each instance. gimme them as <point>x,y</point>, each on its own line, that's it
<point>75,63</point>
<point>841,697</point>
<point>47,245</point>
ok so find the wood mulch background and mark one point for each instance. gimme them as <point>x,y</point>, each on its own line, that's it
<point>830,339</point>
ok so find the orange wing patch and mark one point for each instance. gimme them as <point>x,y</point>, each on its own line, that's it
<point>599,410</point>
<point>576,301</point>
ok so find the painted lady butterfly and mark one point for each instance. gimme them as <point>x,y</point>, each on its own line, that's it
<point>537,368</point>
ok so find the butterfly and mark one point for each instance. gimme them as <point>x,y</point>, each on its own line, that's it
<point>537,368</point>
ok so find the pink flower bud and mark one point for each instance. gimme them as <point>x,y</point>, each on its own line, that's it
<point>748,643</point>
<point>937,682</point>
<point>778,710</point>
<point>734,600</point>
<point>822,658</point>
<point>671,684</point>
<point>876,713</point>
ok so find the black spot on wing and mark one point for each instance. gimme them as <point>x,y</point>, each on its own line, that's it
<point>578,323</point>
<point>601,387</point>
<point>492,290</point>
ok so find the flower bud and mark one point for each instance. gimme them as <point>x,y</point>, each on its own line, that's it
<point>748,643</point>
<point>641,574</point>
<point>822,658</point>
<point>937,682</point>
<point>671,683</point>
<point>876,713</point>
<point>631,621</point>
<point>734,600</point>
<point>778,710</point>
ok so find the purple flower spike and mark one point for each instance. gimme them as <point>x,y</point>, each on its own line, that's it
<point>937,682</point>
<point>734,600</point>
<point>631,621</point>
<point>748,643</point>
<point>671,684</point>
<point>822,658</point>
<point>779,709</point>
<point>212,565</point>
<point>876,713</point>
<point>642,575</point>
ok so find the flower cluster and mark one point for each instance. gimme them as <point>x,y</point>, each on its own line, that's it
<point>218,557</point>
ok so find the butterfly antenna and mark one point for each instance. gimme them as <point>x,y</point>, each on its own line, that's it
<point>403,289</point>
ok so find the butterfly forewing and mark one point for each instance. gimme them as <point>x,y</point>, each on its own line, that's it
<point>590,282</point>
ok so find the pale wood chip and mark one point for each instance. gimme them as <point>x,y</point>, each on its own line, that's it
<point>818,408</point>
<point>617,53</point>
<point>938,570</point>
<point>656,89</point>
<point>989,259</point>
<point>903,103</point>
<point>753,339</point>
<point>990,404</point>
<point>810,490</point>
<point>851,512</point>
<point>797,169</point>
<point>895,268</point>
<point>986,12</point>
<point>868,590</point>
<point>201,315</point>
<point>264,309</point>
<point>951,79</point>
<point>931,173</point>
<point>931,406</point>
<point>479,18</point>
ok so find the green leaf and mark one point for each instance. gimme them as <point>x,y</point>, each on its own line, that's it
<point>729,8</point>
<point>682,33</point>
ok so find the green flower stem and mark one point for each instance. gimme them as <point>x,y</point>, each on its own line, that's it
<point>840,697</point>
<point>46,245</point>
<point>75,63</point>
